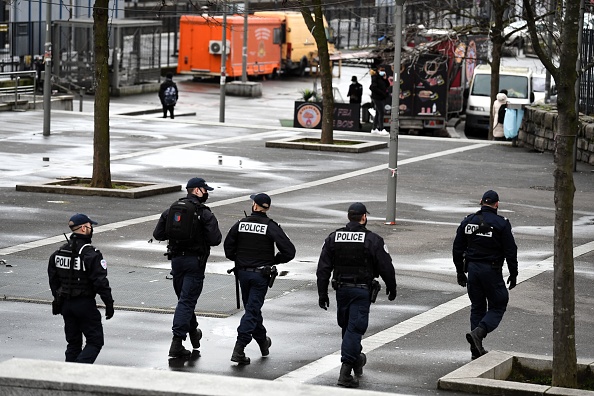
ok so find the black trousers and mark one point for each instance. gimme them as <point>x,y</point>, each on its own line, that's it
<point>81,317</point>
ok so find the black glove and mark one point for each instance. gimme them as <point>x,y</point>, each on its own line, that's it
<point>57,306</point>
<point>391,294</point>
<point>109,311</point>
<point>511,281</point>
<point>462,279</point>
<point>324,302</point>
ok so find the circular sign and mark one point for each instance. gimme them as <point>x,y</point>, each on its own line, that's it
<point>309,116</point>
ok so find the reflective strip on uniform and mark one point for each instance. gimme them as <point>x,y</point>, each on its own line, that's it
<point>348,236</point>
<point>254,228</point>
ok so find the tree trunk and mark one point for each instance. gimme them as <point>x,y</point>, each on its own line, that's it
<point>316,26</point>
<point>564,354</point>
<point>101,163</point>
<point>497,40</point>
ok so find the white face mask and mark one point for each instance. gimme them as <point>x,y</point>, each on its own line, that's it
<point>382,73</point>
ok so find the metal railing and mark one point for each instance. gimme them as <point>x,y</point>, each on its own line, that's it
<point>14,85</point>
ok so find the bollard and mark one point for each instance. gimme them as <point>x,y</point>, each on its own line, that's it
<point>16,92</point>
<point>80,106</point>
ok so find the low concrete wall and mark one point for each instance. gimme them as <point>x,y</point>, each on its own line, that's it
<point>25,377</point>
<point>539,128</point>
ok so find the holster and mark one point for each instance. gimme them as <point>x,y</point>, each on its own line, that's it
<point>57,305</point>
<point>374,290</point>
<point>273,273</point>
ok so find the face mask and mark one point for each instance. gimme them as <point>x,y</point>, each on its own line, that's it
<point>382,73</point>
<point>203,198</point>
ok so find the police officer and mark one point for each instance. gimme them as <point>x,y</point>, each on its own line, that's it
<point>483,240</point>
<point>250,243</point>
<point>355,256</point>
<point>188,262</point>
<point>74,288</point>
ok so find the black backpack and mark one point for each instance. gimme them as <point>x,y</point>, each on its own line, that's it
<point>183,221</point>
<point>169,95</point>
<point>501,113</point>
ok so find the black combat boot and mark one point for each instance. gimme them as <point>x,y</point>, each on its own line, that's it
<point>358,367</point>
<point>177,349</point>
<point>238,355</point>
<point>195,337</point>
<point>475,353</point>
<point>265,346</point>
<point>475,338</point>
<point>345,378</point>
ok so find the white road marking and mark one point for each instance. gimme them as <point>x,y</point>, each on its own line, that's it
<point>114,226</point>
<point>332,361</point>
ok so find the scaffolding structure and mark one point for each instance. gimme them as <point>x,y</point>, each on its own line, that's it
<point>134,53</point>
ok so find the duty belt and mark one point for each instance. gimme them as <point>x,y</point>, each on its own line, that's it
<point>188,253</point>
<point>359,285</point>
<point>251,269</point>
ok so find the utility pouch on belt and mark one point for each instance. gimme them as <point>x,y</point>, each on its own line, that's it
<point>374,290</point>
<point>334,284</point>
<point>273,274</point>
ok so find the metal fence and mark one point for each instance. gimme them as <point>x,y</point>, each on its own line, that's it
<point>586,97</point>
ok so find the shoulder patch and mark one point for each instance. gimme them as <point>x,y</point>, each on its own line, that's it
<point>104,264</point>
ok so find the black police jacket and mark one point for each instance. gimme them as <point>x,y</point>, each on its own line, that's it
<point>212,234</point>
<point>274,233</point>
<point>488,247</point>
<point>89,276</point>
<point>376,252</point>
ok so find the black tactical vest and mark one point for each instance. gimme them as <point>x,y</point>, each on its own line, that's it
<point>73,282</point>
<point>351,264</point>
<point>252,240</point>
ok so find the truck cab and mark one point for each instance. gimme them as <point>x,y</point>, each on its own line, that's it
<point>517,81</point>
<point>299,49</point>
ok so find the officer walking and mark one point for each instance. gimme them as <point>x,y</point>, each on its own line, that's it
<point>191,229</point>
<point>355,256</point>
<point>77,273</point>
<point>483,241</point>
<point>250,244</point>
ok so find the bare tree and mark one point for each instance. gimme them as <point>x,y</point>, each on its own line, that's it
<point>565,75</point>
<point>101,161</point>
<point>315,24</point>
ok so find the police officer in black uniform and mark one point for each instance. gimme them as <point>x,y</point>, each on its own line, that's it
<point>483,241</point>
<point>188,262</point>
<point>355,256</point>
<point>74,288</point>
<point>250,244</point>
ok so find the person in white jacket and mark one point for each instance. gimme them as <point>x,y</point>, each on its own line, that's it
<point>497,117</point>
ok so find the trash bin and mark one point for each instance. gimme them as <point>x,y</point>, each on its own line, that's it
<point>365,115</point>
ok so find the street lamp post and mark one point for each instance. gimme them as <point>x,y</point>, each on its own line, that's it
<point>395,117</point>
<point>223,66</point>
<point>47,85</point>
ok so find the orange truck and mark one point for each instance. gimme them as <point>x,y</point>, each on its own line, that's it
<point>201,46</point>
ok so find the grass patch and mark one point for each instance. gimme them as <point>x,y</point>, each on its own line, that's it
<point>336,142</point>
<point>527,375</point>
<point>286,123</point>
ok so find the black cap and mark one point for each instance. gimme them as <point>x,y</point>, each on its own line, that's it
<point>354,79</point>
<point>169,76</point>
<point>261,199</point>
<point>198,182</point>
<point>490,197</point>
<point>79,219</point>
<point>358,209</point>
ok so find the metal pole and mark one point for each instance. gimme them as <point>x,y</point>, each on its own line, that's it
<point>223,66</point>
<point>550,50</point>
<point>395,117</point>
<point>47,85</point>
<point>245,44</point>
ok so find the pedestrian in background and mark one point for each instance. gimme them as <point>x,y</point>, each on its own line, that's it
<point>191,229</point>
<point>251,243</point>
<point>379,93</point>
<point>168,94</point>
<point>77,273</point>
<point>355,93</point>
<point>483,241</point>
<point>499,107</point>
<point>354,256</point>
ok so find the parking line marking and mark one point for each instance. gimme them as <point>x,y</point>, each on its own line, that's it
<point>377,340</point>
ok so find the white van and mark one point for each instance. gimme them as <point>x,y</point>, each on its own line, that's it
<point>517,81</point>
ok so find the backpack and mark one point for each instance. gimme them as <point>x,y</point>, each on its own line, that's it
<point>169,95</point>
<point>183,221</point>
<point>501,114</point>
